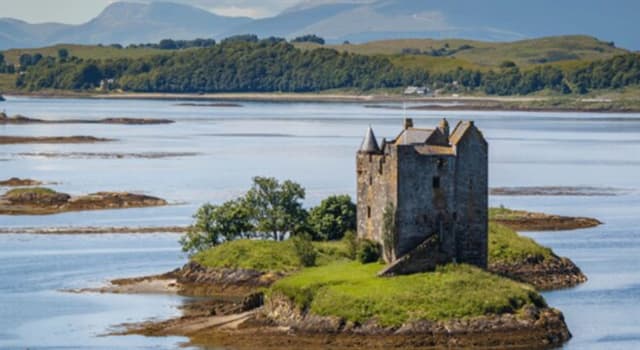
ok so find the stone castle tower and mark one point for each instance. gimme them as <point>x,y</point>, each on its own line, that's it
<point>424,196</point>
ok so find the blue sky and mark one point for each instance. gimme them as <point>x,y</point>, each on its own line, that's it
<point>79,11</point>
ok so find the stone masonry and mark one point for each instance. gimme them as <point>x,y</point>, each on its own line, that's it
<point>424,196</point>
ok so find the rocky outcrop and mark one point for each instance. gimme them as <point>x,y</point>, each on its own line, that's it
<point>11,140</point>
<point>41,201</point>
<point>532,328</point>
<point>543,273</point>
<point>520,220</point>
<point>197,280</point>
<point>17,182</point>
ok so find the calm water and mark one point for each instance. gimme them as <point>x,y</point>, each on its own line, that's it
<point>313,144</point>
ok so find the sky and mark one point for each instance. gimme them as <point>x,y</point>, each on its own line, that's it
<point>80,11</point>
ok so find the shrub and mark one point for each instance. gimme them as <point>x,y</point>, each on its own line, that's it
<point>305,250</point>
<point>351,240</point>
<point>368,251</point>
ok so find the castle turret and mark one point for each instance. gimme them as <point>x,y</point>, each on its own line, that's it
<point>369,144</point>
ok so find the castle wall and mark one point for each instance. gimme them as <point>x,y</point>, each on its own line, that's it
<point>471,198</point>
<point>424,209</point>
<point>377,186</point>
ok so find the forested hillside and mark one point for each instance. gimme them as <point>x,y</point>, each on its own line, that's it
<point>246,64</point>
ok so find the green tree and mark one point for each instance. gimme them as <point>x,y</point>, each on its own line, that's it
<point>276,207</point>
<point>332,218</point>
<point>215,224</point>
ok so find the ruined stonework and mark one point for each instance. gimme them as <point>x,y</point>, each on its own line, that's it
<point>424,196</point>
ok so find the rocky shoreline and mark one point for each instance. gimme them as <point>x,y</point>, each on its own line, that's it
<point>241,316</point>
<point>43,201</point>
<point>544,274</point>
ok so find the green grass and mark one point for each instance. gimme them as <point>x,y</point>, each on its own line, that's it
<point>507,246</point>
<point>266,256</point>
<point>7,82</point>
<point>36,190</point>
<point>83,51</point>
<point>354,292</point>
<point>567,50</point>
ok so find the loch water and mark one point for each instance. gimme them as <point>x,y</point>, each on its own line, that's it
<point>210,155</point>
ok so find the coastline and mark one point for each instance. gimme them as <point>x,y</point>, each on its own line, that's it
<point>455,103</point>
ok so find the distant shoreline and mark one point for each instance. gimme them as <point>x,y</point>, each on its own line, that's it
<point>452,103</point>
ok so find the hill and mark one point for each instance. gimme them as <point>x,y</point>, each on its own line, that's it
<point>124,23</point>
<point>448,54</point>
<point>494,20</point>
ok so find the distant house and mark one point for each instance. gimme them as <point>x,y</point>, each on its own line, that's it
<point>416,90</point>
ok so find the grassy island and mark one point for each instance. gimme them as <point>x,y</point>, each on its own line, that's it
<point>354,292</point>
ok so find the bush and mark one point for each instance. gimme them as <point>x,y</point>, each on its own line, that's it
<point>351,240</point>
<point>368,251</point>
<point>305,250</point>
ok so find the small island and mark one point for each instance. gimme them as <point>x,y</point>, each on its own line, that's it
<point>18,182</point>
<point>44,201</point>
<point>521,220</point>
<point>418,261</point>
<point>11,140</point>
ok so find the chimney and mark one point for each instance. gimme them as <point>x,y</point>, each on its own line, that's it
<point>408,123</point>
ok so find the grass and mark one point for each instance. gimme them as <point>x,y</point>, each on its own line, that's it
<point>266,256</point>
<point>36,190</point>
<point>507,246</point>
<point>7,82</point>
<point>567,50</point>
<point>354,292</point>
<point>83,51</point>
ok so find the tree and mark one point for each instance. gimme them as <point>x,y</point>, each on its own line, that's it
<point>217,224</point>
<point>63,54</point>
<point>167,44</point>
<point>309,38</point>
<point>276,208</point>
<point>333,218</point>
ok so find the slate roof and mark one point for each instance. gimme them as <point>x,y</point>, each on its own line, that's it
<point>369,144</point>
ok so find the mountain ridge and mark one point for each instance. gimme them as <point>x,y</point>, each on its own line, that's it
<point>344,20</point>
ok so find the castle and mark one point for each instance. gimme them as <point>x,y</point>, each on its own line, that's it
<point>424,196</point>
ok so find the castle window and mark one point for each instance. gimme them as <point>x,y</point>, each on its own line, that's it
<point>370,180</point>
<point>380,169</point>
<point>441,163</point>
<point>369,212</point>
<point>436,182</point>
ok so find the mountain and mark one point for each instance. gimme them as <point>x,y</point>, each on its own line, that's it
<point>352,20</point>
<point>124,23</point>
<point>488,20</point>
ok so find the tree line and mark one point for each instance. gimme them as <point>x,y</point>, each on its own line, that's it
<point>248,64</point>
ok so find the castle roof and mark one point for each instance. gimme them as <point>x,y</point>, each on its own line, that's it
<point>459,131</point>
<point>411,136</point>
<point>369,144</point>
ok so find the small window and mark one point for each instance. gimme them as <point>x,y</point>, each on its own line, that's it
<point>370,180</point>
<point>441,163</point>
<point>369,212</point>
<point>436,182</point>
